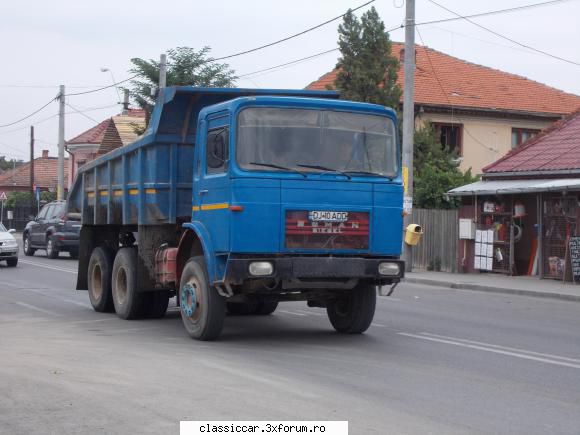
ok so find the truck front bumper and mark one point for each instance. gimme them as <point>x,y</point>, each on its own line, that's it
<point>318,268</point>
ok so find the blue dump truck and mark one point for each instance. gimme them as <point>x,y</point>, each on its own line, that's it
<point>234,200</point>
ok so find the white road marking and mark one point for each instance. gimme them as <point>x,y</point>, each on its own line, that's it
<point>379,325</point>
<point>310,313</point>
<point>493,350</point>
<point>80,304</point>
<point>59,269</point>
<point>40,310</point>
<point>292,313</point>
<point>514,349</point>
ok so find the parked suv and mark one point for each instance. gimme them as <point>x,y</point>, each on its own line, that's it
<point>53,231</point>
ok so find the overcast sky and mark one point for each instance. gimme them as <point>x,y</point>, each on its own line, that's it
<point>45,44</point>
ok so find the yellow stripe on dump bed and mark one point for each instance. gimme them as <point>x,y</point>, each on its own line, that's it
<point>151,191</point>
<point>104,193</point>
<point>133,191</point>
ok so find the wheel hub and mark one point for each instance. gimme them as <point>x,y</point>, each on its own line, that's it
<point>188,299</point>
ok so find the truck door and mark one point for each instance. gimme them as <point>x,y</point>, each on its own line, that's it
<point>214,182</point>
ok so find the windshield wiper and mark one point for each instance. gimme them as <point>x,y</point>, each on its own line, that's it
<point>370,173</point>
<point>324,168</point>
<point>272,165</point>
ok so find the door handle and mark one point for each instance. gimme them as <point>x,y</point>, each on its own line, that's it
<point>203,192</point>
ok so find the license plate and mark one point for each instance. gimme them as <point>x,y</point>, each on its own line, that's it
<point>328,216</point>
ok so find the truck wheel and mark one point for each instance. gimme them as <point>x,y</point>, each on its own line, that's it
<point>266,308</point>
<point>354,313</point>
<point>99,280</point>
<point>28,250</point>
<point>202,308</point>
<point>241,308</point>
<point>129,303</point>
<point>156,304</point>
<point>51,249</point>
<point>12,262</point>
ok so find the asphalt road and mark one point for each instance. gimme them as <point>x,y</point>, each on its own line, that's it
<point>435,361</point>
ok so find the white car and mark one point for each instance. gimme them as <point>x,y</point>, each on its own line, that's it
<point>8,247</point>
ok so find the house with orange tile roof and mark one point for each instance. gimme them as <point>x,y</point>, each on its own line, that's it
<point>481,112</point>
<point>45,175</point>
<point>104,137</point>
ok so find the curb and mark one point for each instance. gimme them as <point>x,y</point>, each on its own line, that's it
<point>484,288</point>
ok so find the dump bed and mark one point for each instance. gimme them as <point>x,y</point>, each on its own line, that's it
<point>149,182</point>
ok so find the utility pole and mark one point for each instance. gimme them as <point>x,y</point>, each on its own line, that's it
<point>409,119</point>
<point>163,71</point>
<point>60,187</point>
<point>126,102</point>
<point>32,192</point>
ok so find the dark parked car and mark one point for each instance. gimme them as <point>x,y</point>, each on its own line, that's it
<point>52,230</point>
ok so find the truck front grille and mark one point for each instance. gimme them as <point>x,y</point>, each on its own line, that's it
<point>304,233</point>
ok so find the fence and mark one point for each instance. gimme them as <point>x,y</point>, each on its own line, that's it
<point>20,216</point>
<point>438,246</point>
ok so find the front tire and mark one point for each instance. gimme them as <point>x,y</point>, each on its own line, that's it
<point>129,303</point>
<point>28,250</point>
<point>202,308</point>
<point>12,262</point>
<point>353,313</point>
<point>99,280</point>
<point>51,249</point>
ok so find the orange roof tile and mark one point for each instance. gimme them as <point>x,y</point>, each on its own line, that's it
<point>45,173</point>
<point>93,135</point>
<point>556,148</point>
<point>472,86</point>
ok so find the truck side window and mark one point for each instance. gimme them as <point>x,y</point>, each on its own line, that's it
<point>217,150</point>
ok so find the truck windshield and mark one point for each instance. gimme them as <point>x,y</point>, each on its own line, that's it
<point>351,143</point>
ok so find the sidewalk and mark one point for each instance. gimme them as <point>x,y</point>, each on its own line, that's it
<point>491,282</point>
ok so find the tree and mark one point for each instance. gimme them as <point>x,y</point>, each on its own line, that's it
<point>435,172</point>
<point>185,66</point>
<point>367,71</point>
<point>8,164</point>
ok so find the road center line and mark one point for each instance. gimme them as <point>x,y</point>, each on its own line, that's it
<point>513,349</point>
<point>290,312</point>
<point>32,307</point>
<point>59,269</point>
<point>493,350</point>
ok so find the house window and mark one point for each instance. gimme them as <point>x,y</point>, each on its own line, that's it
<point>450,136</point>
<point>521,135</point>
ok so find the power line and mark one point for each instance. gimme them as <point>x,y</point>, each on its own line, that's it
<point>302,59</point>
<point>28,116</point>
<point>494,12</point>
<point>101,88</point>
<point>291,36</point>
<point>82,113</point>
<point>506,37</point>
<point>447,97</point>
<point>288,63</point>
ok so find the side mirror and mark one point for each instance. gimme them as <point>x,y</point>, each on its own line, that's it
<point>12,231</point>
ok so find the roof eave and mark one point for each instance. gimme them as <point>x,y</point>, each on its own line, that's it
<point>448,108</point>
<point>489,175</point>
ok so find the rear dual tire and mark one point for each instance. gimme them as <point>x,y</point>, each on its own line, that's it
<point>99,280</point>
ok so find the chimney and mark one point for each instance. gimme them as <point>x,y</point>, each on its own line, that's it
<point>45,154</point>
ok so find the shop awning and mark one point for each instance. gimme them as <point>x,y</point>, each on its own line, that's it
<point>509,187</point>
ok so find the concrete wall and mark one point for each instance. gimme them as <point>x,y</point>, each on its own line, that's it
<point>485,139</point>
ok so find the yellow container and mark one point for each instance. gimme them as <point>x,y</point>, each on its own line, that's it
<point>413,234</point>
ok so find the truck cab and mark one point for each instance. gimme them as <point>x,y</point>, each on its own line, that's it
<point>236,200</point>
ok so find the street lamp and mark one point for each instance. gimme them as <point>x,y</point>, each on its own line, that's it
<point>104,69</point>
